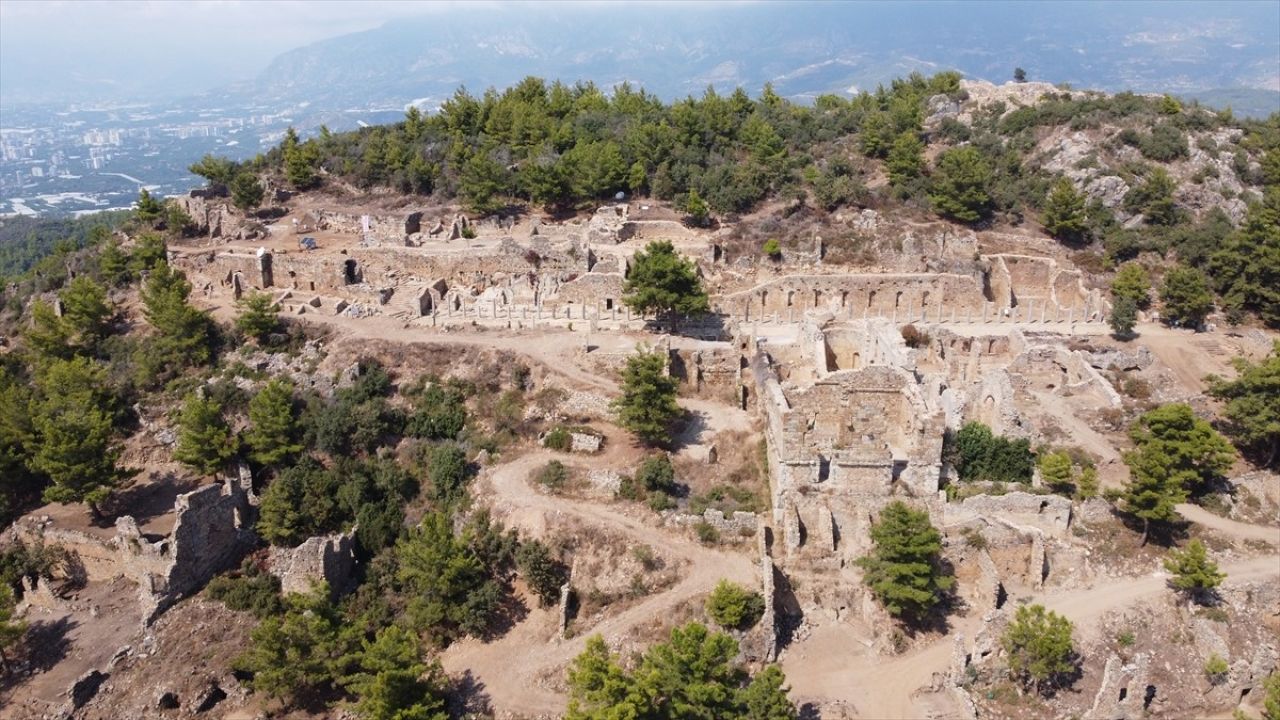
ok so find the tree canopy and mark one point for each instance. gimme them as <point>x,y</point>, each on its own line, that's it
<point>1193,572</point>
<point>1038,643</point>
<point>1252,408</point>
<point>662,281</point>
<point>1177,453</point>
<point>960,185</point>
<point>692,676</point>
<point>903,569</point>
<point>647,406</point>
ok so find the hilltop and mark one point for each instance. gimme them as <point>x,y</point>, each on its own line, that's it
<point>561,398</point>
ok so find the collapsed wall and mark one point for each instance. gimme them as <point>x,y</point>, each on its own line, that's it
<point>213,529</point>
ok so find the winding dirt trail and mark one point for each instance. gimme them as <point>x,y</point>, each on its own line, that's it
<point>831,664</point>
<point>509,669</point>
<point>1233,529</point>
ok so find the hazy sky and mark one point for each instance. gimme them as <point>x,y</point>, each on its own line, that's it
<point>59,50</point>
<point>172,46</point>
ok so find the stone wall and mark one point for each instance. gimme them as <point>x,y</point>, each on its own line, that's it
<point>1049,514</point>
<point>212,530</point>
<point>328,559</point>
<point>714,373</point>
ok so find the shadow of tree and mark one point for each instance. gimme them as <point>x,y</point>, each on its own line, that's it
<point>45,644</point>
<point>467,698</point>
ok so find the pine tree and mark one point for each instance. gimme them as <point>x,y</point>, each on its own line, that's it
<point>85,312</point>
<point>903,569</point>
<point>765,697</point>
<point>1039,646</point>
<point>906,159</point>
<point>183,331</point>
<point>113,264</point>
<point>75,442</point>
<point>1132,282</point>
<point>273,430</point>
<point>246,191</point>
<point>257,317</point>
<point>960,185</point>
<point>1186,298</point>
<point>1182,445</point>
<point>1151,492</point>
<point>47,336</point>
<point>648,405</point>
<point>733,606</point>
<point>664,282</point>
<point>1064,212</point>
<point>300,161</point>
<point>696,211</point>
<point>293,654</point>
<point>1055,470</point>
<point>482,183</point>
<point>1193,572</point>
<point>1154,199</point>
<point>393,682</point>
<point>691,675</point>
<point>1124,317</point>
<point>11,631</point>
<point>205,442</point>
<point>1253,405</point>
<point>1246,270</point>
<point>149,208</point>
<point>1087,485</point>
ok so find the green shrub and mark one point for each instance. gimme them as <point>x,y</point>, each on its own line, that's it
<point>1216,669</point>
<point>439,414</point>
<point>978,454</point>
<point>1126,639</point>
<point>541,570</point>
<point>659,501</point>
<point>707,534</point>
<point>557,439</point>
<point>657,475</point>
<point>248,590</point>
<point>733,606</point>
<point>773,249</point>
<point>552,476</point>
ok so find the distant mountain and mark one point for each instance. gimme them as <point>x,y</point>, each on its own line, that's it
<point>804,49</point>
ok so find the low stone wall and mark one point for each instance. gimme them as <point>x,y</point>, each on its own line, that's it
<point>1051,514</point>
<point>737,526</point>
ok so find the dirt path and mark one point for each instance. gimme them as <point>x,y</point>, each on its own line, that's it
<point>1185,353</point>
<point>823,667</point>
<point>510,667</point>
<point>1231,528</point>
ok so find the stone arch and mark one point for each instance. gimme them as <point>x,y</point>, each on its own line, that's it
<point>924,302</point>
<point>871,299</point>
<point>351,271</point>
<point>453,301</point>
<point>844,298</point>
<point>817,297</point>
<point>897,300</point>
<point>764,301</point>
<point>791,294</point>
<point>426,302</point>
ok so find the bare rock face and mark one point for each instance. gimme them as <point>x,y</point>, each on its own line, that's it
<point>1108,190</point>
